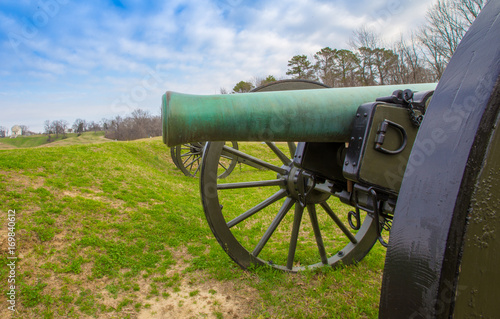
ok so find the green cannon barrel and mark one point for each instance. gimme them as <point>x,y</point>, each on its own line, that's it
<point>322,115</point>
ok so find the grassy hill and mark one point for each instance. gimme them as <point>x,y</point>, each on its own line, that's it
<point>114,230</point>
<point>42,140</point>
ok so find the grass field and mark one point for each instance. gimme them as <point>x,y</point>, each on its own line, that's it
<point>115,230</point>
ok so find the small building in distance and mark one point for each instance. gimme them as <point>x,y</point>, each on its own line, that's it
<point>16,131</point>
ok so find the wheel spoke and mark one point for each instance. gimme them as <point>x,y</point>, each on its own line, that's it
<point>190,148</point>
<point>255,160</point>
<point>221,164</point>
<point>277,220</point>
<point>185,161</point>
<point>197,168</point>
<point>284,159</point>
<point>277,196</point>
<point>292,147</point>
<point>339,223</point>
<point>192,162</point>
<point>189,154</point>
<point>190,167</point>
<point>311,209</point>
<point>297,218</point>
<point>274,182</point>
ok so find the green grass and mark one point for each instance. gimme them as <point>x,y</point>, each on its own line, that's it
<point>27,141</point>
<point>39,140</point>
<point>111,229</point>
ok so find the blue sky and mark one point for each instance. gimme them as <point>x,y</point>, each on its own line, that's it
<point>66,59</point>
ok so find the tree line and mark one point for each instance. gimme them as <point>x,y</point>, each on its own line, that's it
<point>139,124</point>
<point>419,57</point>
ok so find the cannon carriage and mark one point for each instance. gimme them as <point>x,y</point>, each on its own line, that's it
<point>434,180</point>
<point>300,178</point>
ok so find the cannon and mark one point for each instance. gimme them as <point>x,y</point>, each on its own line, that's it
<point>419,160</point>
<point>302,177</point>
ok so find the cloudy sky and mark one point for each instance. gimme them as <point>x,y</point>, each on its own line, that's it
<point>67,59</point>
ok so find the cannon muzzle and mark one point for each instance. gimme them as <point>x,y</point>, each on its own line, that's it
<point>321,115</point>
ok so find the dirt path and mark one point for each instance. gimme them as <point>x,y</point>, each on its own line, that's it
<point>199,297</point>
<point>210,299</point>
<point>6,146</point>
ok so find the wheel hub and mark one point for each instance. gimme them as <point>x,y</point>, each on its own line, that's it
<point>300,185</point>
<point>196,148</point>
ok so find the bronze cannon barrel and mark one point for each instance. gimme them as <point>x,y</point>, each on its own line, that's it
<point>322,115</point>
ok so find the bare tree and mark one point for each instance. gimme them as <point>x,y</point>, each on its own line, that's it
<point>55,127</point>
<point>94,126</point>
<point>79,126</point>
<point>375,64</point>
<point>64,127</point>
<point>47,127</point>
<point>156,126</point>
<point>3,131</point>
<point>444,30</point>
<point>24,130</point>
<point>364,38</point>
<point>59,127</point>
<point>433,52</point>
<point>411,64</point>
<point>470,9</point>
<point>140,124</point>
<point>115,128</point>
<point>447,22</point>
<point>105,124</point>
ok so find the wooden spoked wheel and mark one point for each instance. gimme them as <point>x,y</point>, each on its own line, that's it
<point>187,158</point>
<point>262,217</point>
